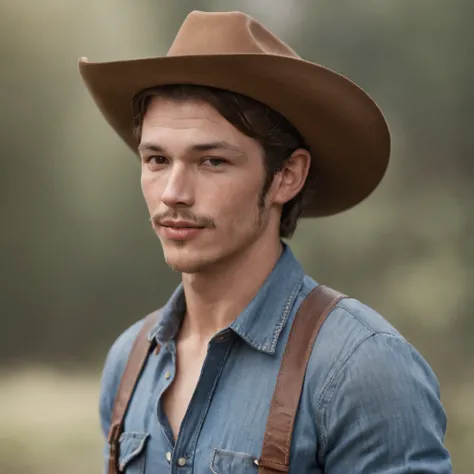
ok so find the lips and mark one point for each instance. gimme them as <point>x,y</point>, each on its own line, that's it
<point>179,230</point>
<point>179,224</point>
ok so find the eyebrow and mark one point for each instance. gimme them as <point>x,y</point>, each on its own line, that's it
<point>217,145</point>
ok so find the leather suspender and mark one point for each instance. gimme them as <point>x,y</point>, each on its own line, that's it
<point>313,312</point>
<point>275,456</point>
<point>136,362</point>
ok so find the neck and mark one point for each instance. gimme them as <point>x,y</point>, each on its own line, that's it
<point>215,297</point>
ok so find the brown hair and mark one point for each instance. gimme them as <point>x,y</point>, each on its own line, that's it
<point>276,135</point>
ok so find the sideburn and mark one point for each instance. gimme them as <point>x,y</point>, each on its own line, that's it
<point>269,175</point>
<point>263,194</point>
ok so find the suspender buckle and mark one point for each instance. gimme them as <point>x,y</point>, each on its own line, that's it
<point>114,434</point>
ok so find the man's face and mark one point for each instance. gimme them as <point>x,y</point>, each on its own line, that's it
<point>202,180</point>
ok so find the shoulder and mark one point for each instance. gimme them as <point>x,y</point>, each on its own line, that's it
<point>356,315</point>
<point>118,353</point>
<point>365,382</point>
<point>114,367</point>
<point>351,313</point>
<point>356,340</point>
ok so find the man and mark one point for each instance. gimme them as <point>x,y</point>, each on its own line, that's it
<point>238,137</point>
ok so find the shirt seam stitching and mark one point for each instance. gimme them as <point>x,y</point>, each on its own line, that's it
<point>280,324</point>
<point>286,312</point>
<point>333,381</point>
<point>362,323</point>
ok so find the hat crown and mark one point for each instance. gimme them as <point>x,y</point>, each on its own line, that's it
<point>342,126</point>
<point>204,33</point>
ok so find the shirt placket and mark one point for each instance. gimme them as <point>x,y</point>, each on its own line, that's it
<point>180,456</point>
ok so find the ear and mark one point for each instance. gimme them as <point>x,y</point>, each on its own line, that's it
<point>290,180</point>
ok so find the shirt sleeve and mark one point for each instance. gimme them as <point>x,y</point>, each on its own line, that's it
<point>108,387</point>
<point>382,413</point>
<point>111,375</point>
<point>113,369</point>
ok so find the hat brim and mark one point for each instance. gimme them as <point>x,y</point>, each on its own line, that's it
<point>345,130</point>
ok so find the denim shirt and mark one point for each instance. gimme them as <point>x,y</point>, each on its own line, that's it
<point>369,404</point>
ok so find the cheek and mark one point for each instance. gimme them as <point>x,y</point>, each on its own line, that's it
<point>150,189</point>
<point>239,205</point>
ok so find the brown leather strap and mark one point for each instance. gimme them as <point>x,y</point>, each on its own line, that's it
<point>135,364</point>
<point>277,441</point>
<point>306,325</point>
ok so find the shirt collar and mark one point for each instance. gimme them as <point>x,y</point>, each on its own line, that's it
<point>261,323</point>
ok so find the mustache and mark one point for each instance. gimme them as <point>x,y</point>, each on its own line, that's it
<point>185,215</point>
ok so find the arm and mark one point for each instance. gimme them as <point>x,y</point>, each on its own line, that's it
<point>381,413</point>
<point>114,367</point>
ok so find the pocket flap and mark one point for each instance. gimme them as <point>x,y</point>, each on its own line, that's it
<point>131,445</point>
<point>230,462</point>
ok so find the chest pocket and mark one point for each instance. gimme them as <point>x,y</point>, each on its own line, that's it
<point>132,453</point>
<point>230,462</point>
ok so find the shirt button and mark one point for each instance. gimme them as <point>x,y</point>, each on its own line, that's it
<point>167,375</point>
<point>181,462</point>
<point>168,456</point>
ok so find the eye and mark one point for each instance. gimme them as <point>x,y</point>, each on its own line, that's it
<point>156,160</point>
<point>215,162</point>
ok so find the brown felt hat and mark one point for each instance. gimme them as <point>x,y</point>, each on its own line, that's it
<point>345,130</point>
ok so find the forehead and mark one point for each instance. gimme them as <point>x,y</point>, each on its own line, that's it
<point>167,116</point>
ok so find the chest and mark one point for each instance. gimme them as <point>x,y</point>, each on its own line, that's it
<point>217,404</point>
<point>177,397</point>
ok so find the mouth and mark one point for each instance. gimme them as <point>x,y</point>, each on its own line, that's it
<point>179,230</point>
<point>179,224</point>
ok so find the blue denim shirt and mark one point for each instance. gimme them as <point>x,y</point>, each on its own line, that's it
<point>370,403</point>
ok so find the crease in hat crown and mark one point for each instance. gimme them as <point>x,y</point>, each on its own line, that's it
<point>226,33</point>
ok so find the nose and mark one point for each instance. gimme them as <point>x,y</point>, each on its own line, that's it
<point>178,190</point>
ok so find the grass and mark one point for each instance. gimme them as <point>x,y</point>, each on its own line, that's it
<point>49,423</point>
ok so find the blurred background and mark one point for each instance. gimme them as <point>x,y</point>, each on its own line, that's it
<point>79,262</point>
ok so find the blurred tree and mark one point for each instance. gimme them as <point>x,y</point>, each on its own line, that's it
<point>79,261</point>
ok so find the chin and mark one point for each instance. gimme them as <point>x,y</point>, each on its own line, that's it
<point>197,257</point>
<point>183,261</point>
<point>183,266</point>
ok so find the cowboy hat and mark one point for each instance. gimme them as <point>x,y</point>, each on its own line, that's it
<point>347,135</point>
